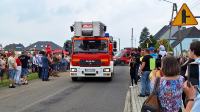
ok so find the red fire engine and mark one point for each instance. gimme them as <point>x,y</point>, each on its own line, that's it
<point>92,51</point>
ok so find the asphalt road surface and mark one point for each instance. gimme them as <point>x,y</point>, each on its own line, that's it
<point>62,95</point>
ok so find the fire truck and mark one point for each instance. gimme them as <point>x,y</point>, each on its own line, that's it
<point>92,51</point>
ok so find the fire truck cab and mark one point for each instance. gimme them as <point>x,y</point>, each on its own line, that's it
<point>92,51</point>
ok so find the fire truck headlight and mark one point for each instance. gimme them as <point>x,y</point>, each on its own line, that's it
<point>73,70</point>
<point>106,70</point>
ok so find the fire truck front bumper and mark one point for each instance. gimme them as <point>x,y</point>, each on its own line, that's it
<point>91,71</point>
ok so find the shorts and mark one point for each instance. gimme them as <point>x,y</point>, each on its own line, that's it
<point>12,73</point>
<point>24,72</point>
<point>2,72</point>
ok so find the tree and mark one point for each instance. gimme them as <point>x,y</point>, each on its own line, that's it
<point>143,37</point>
<point>166,43</point>
<point>144,34</point>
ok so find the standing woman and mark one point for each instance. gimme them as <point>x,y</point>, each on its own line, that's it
<point>18,71</point>
<point>171,85</point>
<point>133,71</point>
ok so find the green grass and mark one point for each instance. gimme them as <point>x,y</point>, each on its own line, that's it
<point>5,82</point>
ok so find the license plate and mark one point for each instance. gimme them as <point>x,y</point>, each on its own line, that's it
<point>89,70</point>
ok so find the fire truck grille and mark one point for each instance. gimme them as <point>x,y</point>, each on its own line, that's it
<point>90,63</point>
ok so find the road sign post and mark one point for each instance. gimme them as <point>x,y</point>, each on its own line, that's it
<point>184,18</point>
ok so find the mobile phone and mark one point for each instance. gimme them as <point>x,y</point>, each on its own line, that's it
<point>193,73</point>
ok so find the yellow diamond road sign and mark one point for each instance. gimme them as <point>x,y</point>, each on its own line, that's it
<point>184,17</point>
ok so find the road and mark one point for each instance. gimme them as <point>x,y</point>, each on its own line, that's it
<point>62,95</point>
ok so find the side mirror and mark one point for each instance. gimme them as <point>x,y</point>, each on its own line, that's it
<point>71,28</point>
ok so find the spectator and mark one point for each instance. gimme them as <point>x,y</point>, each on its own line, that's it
<point>18,71</point>
<point>45,67</point>
<point>2,67</point>
<point>133,70</point>
<point>67,58</point>
<point>39,60</point>
<point>137,60</point>
<point>162,50</point>
<point>152,53</point>
<point>12,69</point>
<point>145,68</point>
<point>35,62</point>
<point>171,85</point>
<point>194,97</point>
<point>24,60</point>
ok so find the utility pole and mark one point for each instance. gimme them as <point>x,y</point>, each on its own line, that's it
<point>132,38</point>
<point>119,43</point>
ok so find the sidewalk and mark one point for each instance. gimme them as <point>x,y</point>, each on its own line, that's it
<point>133,102</point>
<point>136,100</point>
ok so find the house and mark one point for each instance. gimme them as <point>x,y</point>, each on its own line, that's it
<point>164,33</point>
<point>42,45</point>
<point>187,36</point>
<point>15,47</point>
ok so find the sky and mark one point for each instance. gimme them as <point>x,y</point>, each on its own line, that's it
<point>29,21</point>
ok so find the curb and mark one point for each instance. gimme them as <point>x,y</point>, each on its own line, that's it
<point>131,99</point>
<point>127,107</point>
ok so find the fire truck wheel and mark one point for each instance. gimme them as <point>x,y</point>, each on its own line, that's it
<point>74,78</point>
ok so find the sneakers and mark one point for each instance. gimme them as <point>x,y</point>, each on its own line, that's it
<point>11,86</point>
<point>130,86</point>
<point>140,95</point>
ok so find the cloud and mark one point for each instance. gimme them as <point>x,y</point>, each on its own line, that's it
<point>27,21</point>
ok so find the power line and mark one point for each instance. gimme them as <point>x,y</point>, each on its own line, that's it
<point>168,1</point>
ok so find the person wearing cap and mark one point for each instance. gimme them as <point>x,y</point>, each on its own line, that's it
<point>152,53</point>
<point>145,69</point>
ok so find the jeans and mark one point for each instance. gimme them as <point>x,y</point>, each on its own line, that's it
<point>145,83</point>
<point>12,73</point>
<point>18,75</point>
<point>45,75</point>
<point>24,72</point>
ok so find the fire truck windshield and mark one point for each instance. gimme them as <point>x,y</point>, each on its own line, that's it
<point>90,46</point>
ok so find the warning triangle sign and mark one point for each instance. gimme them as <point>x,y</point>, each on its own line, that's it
<point>184,17</point>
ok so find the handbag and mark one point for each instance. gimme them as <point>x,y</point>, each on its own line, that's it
<point>152,103</point>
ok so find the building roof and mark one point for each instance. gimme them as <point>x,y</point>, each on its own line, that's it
<point>191,32</point>
<point>14,47</point>
<point>41,45</point>
<point>161,32</point>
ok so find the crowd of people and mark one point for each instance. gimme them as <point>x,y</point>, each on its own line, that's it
<point>174,90</point>
<point>18,66</point>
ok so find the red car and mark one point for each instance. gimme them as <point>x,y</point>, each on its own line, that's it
<point>122,57</point>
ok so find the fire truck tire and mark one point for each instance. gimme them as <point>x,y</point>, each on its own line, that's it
<point>74,78</point>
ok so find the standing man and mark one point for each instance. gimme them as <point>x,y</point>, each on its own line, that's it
<point>145,68</point>
<point>12,66</point>
<point>45,67</point>
<point>24,60</point>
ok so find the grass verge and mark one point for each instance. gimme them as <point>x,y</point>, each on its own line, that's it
<point>31,76</point>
